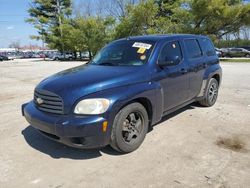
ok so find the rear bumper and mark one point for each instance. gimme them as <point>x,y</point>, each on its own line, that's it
<point>72,130</point>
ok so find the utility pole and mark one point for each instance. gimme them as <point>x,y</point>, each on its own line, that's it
<point>43,46</point>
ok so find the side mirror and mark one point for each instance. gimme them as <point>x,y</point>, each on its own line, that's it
<point>169,60</point>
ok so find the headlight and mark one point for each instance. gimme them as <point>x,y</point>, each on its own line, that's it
<point>92,106</point>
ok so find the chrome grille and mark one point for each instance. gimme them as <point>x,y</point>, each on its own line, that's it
<point>48,102</point>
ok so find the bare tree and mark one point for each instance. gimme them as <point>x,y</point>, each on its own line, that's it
<point>82,8</point>
<point>117,8</point>
<point>15,44</point>
<point>245,32</point>
<point>88,8</point>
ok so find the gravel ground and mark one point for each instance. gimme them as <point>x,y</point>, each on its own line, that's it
<point>194,147</point>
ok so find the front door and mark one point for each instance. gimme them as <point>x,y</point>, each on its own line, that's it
<point>174,77</point>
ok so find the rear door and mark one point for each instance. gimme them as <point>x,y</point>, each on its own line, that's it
<point>197,64</point>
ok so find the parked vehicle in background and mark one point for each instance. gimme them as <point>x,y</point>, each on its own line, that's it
<point>42,56</point>
<point>6,57</point>
<point>18,55</point>
<point>218,52</point>
<point>223,51</point>
<point>62,56</point>
<point>245,47</point>
<point>3,58</point>
<point>11,56</point>
<point>56,56</point>
<point>237,52</point>
<point>36,55</point>
<point>85,55</point>
<point>129,85</point>
<point>68,56</point>
<point>26,55</point>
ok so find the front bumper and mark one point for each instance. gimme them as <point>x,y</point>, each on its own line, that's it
<point>72,130</point>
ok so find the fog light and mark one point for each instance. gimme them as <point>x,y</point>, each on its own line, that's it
<point>104,126</point>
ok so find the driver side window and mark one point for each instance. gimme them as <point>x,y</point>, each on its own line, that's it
<point>171,53</point>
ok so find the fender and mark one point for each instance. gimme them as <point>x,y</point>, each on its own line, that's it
<point>121,96</point>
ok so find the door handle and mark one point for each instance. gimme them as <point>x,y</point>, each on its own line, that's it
<point>183,71</point>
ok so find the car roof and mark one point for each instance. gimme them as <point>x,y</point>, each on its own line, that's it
<point>156,38</point>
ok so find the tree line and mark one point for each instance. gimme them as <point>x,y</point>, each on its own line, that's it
<point>62,27</point>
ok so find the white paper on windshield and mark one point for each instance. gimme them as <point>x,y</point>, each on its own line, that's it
<point>142,45</point>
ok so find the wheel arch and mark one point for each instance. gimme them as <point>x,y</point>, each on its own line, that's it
<point>213,71</point>
<point>217,77</point>
<point>145,102</point>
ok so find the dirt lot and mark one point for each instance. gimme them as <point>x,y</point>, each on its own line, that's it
<point>194,147</point>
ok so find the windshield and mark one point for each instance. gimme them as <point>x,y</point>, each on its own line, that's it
<point>124,53</point>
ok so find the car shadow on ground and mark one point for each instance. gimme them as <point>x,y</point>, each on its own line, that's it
<point>57,150</point>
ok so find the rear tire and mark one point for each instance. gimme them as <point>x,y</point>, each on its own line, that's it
<point>211,93</point>
<point>129,128</point>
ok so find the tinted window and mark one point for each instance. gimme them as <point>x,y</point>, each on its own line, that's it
<point>193,48</point>
<point>207,47</point>
<point>237,50</point>
<point>170,52</point>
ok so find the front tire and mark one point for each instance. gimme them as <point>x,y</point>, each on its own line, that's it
<point>130,128</point>
<point>211,93</point>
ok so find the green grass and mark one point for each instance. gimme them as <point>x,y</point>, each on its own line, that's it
<point>233,60</point>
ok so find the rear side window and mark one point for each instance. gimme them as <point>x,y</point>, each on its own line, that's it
<point>236,50</point>
<point>193,48</point>
<point>171,50</point>
<point>207,47</point>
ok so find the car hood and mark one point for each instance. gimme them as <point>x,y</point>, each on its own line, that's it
<point>80,81</point>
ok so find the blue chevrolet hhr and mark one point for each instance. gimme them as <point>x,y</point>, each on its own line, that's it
<point>127,87</point>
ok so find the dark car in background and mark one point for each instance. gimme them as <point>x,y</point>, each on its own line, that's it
<point>245,47</point>
<point>236,52</point>
<point>128,86</point>
<point>5,58</point>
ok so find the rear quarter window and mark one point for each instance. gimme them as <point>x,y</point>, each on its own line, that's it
<point>207,47</point>
<point>193,48</point>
